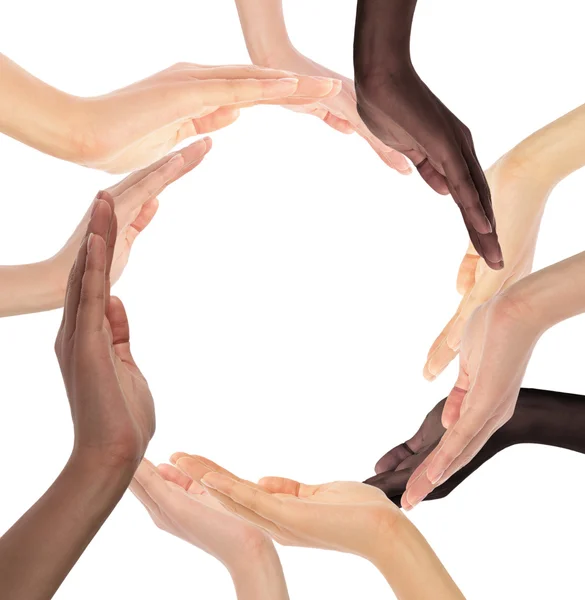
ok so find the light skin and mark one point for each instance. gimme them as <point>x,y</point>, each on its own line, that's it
<point>343,516</point>
<point>41,286</point>
<point>132,127</point>
<point>182,507</point>
<point>269,45</point>
<point>113,419</point>
<point>521,183</point>
<point>497,344</point>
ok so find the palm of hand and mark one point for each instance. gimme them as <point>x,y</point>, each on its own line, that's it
<point>313,516</point>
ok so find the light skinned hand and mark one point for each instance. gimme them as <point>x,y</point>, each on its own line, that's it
<point>519,199</point>
<point>340,111</point>
<point>111,405</point>
<point>344,516</point>
<point>132,127</point>
<point>182,507</point>
<point>136,204</point>
<point>497,344</point>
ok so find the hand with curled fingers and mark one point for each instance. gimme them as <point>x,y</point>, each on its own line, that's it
<point>136,125</point>
<point>268,44</point>
<point>111,405</point>
<point>178,504</point>
<point>497,344</point>
<point>136,204</point>
<point>295,514</point>
<point>343,516</point>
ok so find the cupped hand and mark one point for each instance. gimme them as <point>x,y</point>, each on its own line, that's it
<point>132,127</point>
<point>519,202</point>
<point>111,405</point>
<point>340,111</point>
<point>136,204</point>
<point>400,110</point>
<point>497,344</point>
<point>182,507</point>
<point>344,516</point>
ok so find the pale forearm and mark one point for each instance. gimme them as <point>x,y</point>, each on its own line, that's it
<point>553,294</point>
<point>557,150</point>
<point>30,288</point>
<point>260,578</point>
<point>35,113</point>
<point>38,552</point>
<point>411,567</point>
<point>264,30</point>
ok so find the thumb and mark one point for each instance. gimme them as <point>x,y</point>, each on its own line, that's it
<point>282,485</point>
<point>452,408</point>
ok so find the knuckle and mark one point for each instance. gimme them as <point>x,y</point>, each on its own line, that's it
<point>507,308</point>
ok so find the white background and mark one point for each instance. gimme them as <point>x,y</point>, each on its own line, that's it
<point>284,299</point>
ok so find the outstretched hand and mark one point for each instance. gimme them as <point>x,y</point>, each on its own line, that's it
<point>136,204</point>
<point>132,127</point>
<point>344,516</point>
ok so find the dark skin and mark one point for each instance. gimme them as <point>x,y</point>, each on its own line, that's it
<point>111,407</point>
<point>541,417</point>
<point>401,111</point>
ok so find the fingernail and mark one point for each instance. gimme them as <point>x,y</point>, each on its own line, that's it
<point>290,80</point>
<point>90,241</point>
<point>206,483</point>
<point>437,478</point>
<point>488,225</point>
<point>178,157</point>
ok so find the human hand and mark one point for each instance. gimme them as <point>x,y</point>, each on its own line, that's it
<point>111,405</point>
<point>129,128</point>
<point>519,202</point>
<point>344,516</point>
<point>136,204</point>
<point>400,110</point>
<point>182,507</point>
<point>497,344</point>
<point>340,111</point>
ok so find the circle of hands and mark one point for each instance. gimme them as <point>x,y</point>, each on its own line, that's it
<point>194,498</point>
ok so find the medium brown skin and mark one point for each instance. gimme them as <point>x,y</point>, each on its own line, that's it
<point>113,419</point>
<point>401,111</point>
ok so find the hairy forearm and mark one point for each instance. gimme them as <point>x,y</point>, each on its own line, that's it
<point>411,567</point>
<point>38,552</point>
<point>382,36</point>
<point>30,288</point>
<point>264,30</point>
<point>553,294</point>
<point>35,113</point>
<point>557,150</point>
<point>260,578</point>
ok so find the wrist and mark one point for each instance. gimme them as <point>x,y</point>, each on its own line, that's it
<point>411,567</point>
<point>257,573</point>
